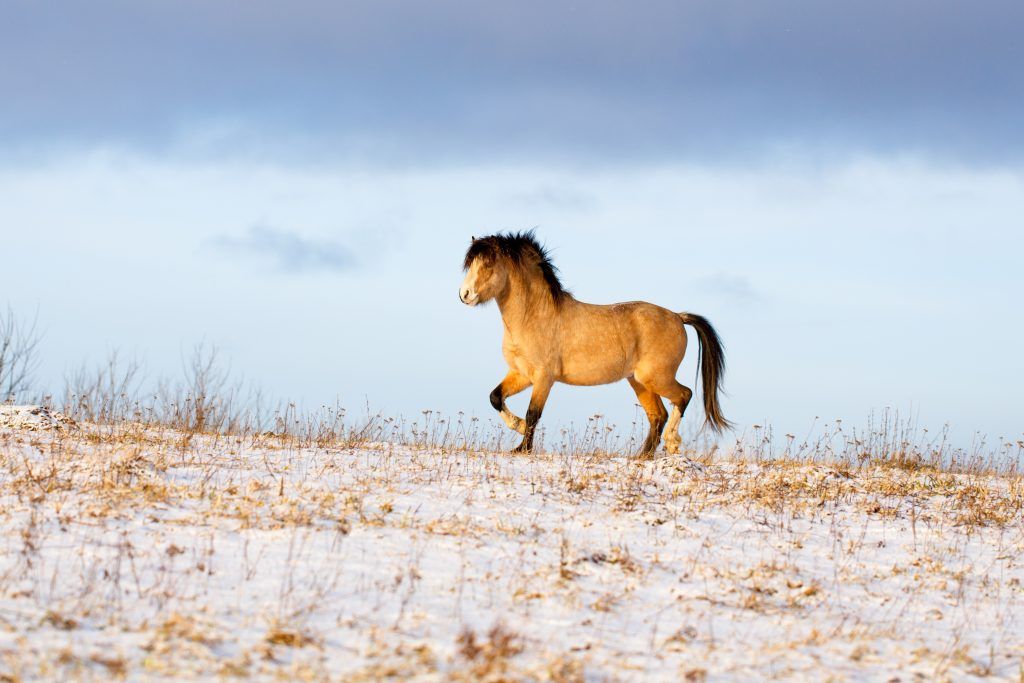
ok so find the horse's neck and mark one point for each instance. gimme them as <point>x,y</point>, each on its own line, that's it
<point>525,305</point>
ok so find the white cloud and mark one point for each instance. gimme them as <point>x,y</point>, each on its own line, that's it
<point>288,250</point>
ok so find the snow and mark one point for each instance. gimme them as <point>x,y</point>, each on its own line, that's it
<point>153,555</point>
<point>31,418</point>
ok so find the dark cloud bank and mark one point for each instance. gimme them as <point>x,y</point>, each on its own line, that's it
<point>415,81</point>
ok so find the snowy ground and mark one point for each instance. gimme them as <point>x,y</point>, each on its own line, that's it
<point>149,555</point>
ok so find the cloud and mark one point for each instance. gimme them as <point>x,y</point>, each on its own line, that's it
<point>291,252</point>
<point>456,80</point>
<point>735,287</point>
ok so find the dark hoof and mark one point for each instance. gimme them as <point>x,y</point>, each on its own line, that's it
<point>647,451</point>
<point>522,448</point>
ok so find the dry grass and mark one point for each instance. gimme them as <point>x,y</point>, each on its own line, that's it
<point>189,535</point>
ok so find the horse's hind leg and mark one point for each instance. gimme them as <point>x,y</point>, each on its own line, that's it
<point>679,396</point>
<point>656,413</point>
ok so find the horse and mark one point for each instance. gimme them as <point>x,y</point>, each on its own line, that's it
<point>550,336</point>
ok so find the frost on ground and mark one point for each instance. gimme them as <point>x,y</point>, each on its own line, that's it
<point>31,418</point>
<point>147,554</point>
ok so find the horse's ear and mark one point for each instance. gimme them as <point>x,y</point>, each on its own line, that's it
<point>472,238</point>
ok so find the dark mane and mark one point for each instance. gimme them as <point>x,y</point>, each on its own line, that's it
<point>521,250</point>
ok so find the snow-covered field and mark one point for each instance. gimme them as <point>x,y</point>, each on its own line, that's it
<point>144,554</point>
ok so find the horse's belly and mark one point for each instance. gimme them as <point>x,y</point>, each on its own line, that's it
<point>602,354</point>
<point>591,371</point>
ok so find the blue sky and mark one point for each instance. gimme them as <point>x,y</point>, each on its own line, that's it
<point>838,187</point>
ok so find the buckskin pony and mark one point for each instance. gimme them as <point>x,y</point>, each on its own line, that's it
<point>551,337</point>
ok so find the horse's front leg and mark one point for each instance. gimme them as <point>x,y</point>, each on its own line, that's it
<point>541,389</point>
<point>510,386</point>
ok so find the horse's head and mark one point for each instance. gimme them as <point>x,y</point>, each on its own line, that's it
<point>486,272</point>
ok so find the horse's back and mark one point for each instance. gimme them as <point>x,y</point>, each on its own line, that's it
<point>607,342</point>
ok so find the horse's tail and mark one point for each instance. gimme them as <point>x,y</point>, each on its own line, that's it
<point>711,358</point>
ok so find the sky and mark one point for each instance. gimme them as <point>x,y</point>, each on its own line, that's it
<point>837,186</point>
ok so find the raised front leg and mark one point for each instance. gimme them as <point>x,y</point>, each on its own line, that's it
<point>510,386</point>
<point>541,389</point>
